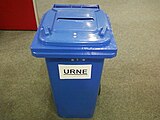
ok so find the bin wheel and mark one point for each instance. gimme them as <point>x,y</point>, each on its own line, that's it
<point>99,92</point>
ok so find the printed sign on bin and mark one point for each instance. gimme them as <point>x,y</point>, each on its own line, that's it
<point>75,71</point>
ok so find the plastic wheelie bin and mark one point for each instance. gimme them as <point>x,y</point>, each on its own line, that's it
<point>74,40</point>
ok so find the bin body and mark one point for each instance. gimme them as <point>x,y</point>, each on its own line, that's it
<point>74,40</point>
<point>75,98</point>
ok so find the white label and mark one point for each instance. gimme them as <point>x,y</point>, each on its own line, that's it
<point>75,71</point>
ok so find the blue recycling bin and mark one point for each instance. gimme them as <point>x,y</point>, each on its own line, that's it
<point>74,40</point>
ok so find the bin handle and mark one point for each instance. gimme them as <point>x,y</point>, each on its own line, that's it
<point>75,6</point>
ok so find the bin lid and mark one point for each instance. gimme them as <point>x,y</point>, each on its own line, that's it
<point>75,25</point>
<point>74,31</point>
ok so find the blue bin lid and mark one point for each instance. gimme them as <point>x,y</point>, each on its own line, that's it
<point>73,31</point>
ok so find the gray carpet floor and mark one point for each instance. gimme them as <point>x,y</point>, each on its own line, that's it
<point>130,82</point>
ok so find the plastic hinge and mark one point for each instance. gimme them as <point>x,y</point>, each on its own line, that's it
<point>75,6</point>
